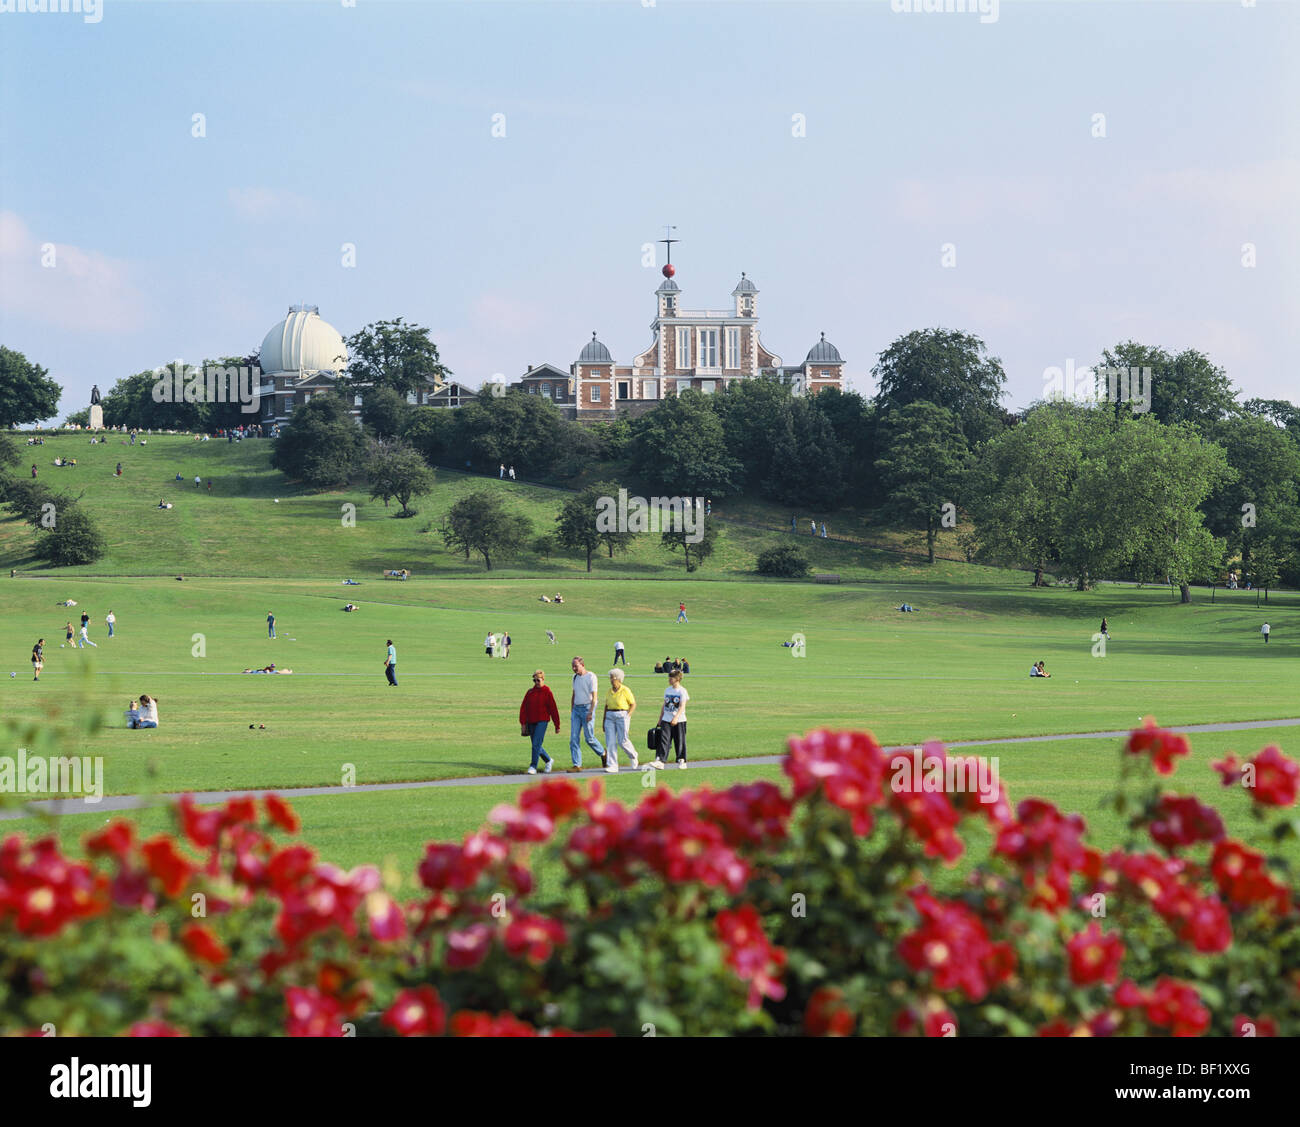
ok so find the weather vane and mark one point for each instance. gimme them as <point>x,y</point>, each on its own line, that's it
<point>668,240</point>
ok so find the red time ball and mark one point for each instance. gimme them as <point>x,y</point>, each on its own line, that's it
<point>669,270</point>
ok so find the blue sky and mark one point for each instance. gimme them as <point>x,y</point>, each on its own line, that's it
<point>372,125</point>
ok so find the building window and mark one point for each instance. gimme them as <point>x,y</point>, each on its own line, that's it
<point>595,395</point>
<point>356,401</point>
<point>683,385</point>
<point>670,306</point>
<point>826,375</point>
<point>649,389</point>
<point>410,398</point>
<point>747,306</point>
<point>683,348</point>
<point>546,390</point>
<point>733,348</point>
<point>708,348</point>
<point>624,389</point>
<point>707,386</point>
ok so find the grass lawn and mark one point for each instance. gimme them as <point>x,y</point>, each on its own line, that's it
<point>955,670</point>
<point>254,523</point>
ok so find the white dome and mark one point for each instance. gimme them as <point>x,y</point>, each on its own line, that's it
<point>302,342</point>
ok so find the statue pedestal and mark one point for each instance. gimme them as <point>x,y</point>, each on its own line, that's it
<point>96,417</point>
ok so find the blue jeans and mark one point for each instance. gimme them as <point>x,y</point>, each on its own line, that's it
<point>146,723</point>
<point>110,629</point>
<point>270,629</point>
<point>538,732</point>
<point>579,729</point>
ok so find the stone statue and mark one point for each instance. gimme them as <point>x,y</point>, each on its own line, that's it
<point>96,411</point>
<point>94,394</point>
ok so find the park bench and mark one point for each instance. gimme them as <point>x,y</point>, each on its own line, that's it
<point>830,578</point>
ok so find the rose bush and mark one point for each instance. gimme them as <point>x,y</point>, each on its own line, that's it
<point>826,908</point>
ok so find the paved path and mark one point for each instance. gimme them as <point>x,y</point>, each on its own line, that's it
<point>135,801</point>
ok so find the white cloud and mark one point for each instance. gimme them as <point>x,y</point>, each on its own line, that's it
<point>260,204</point>
<point>83,289</point>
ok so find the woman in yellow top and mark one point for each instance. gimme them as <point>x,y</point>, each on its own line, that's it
<point>619,706</point>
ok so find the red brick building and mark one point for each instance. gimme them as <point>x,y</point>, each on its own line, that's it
<point>704,349</point>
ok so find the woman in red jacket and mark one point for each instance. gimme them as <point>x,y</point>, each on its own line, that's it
<point>538,708</point>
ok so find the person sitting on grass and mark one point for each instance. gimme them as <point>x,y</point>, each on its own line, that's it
<point>1038,670</point>
<point>148,712</point>
<point>133,715</point>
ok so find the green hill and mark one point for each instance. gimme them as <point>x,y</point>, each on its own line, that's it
<point>255,523</point>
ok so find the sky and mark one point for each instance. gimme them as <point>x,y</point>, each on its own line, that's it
<point>874,171</point>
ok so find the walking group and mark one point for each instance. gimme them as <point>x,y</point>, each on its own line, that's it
<point>539,709</point>
<point>812,527</point>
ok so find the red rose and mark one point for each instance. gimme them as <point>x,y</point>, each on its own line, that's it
<point>417,1013</point>
<point>1162,746</point>
<point>281,813</point>
<point>201,944</point>
<point>827,1015</point>
<point>1276,778</point>
<point>167,864</point>
<point>1094,956</point>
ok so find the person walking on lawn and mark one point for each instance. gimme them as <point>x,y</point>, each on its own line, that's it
<point>617,722</point>
<point>582,707</point>
<point>537,709</point>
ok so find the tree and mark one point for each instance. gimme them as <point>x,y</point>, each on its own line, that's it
<point>74,539</point>
<point>680,447</point>
<point>132,402</point>
<point>1186,388</point>
<point>948,368</point>
<point>10,455</point>
<point>1267,567</point>
<point>806,463</point>
<point>27,394</point>
<point>1136,505</point>
<point>481,523</point>
<point>321,444</point>
<point>576,522</point>
<point>1282,412</point>
<point>1260,500</point>
<point>78,418</point>
<point>387,413</point>
<point>394,354</point>
<point>697,552</point>
<point>432,431</point>
<point>753,414</point>
<point>397,471</point>
<point>520,430</point>
<point>852,421</point>
<point>1022,480</point>
<point>923,458</point>
<point>784,561</point>
<point>544,545</point>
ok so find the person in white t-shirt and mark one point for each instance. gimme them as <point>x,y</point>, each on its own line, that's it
<point>619,654</point>
<point>582,711</point>
<point>1266,629</point>
<point>672,722</point>
<point>489,644</point>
